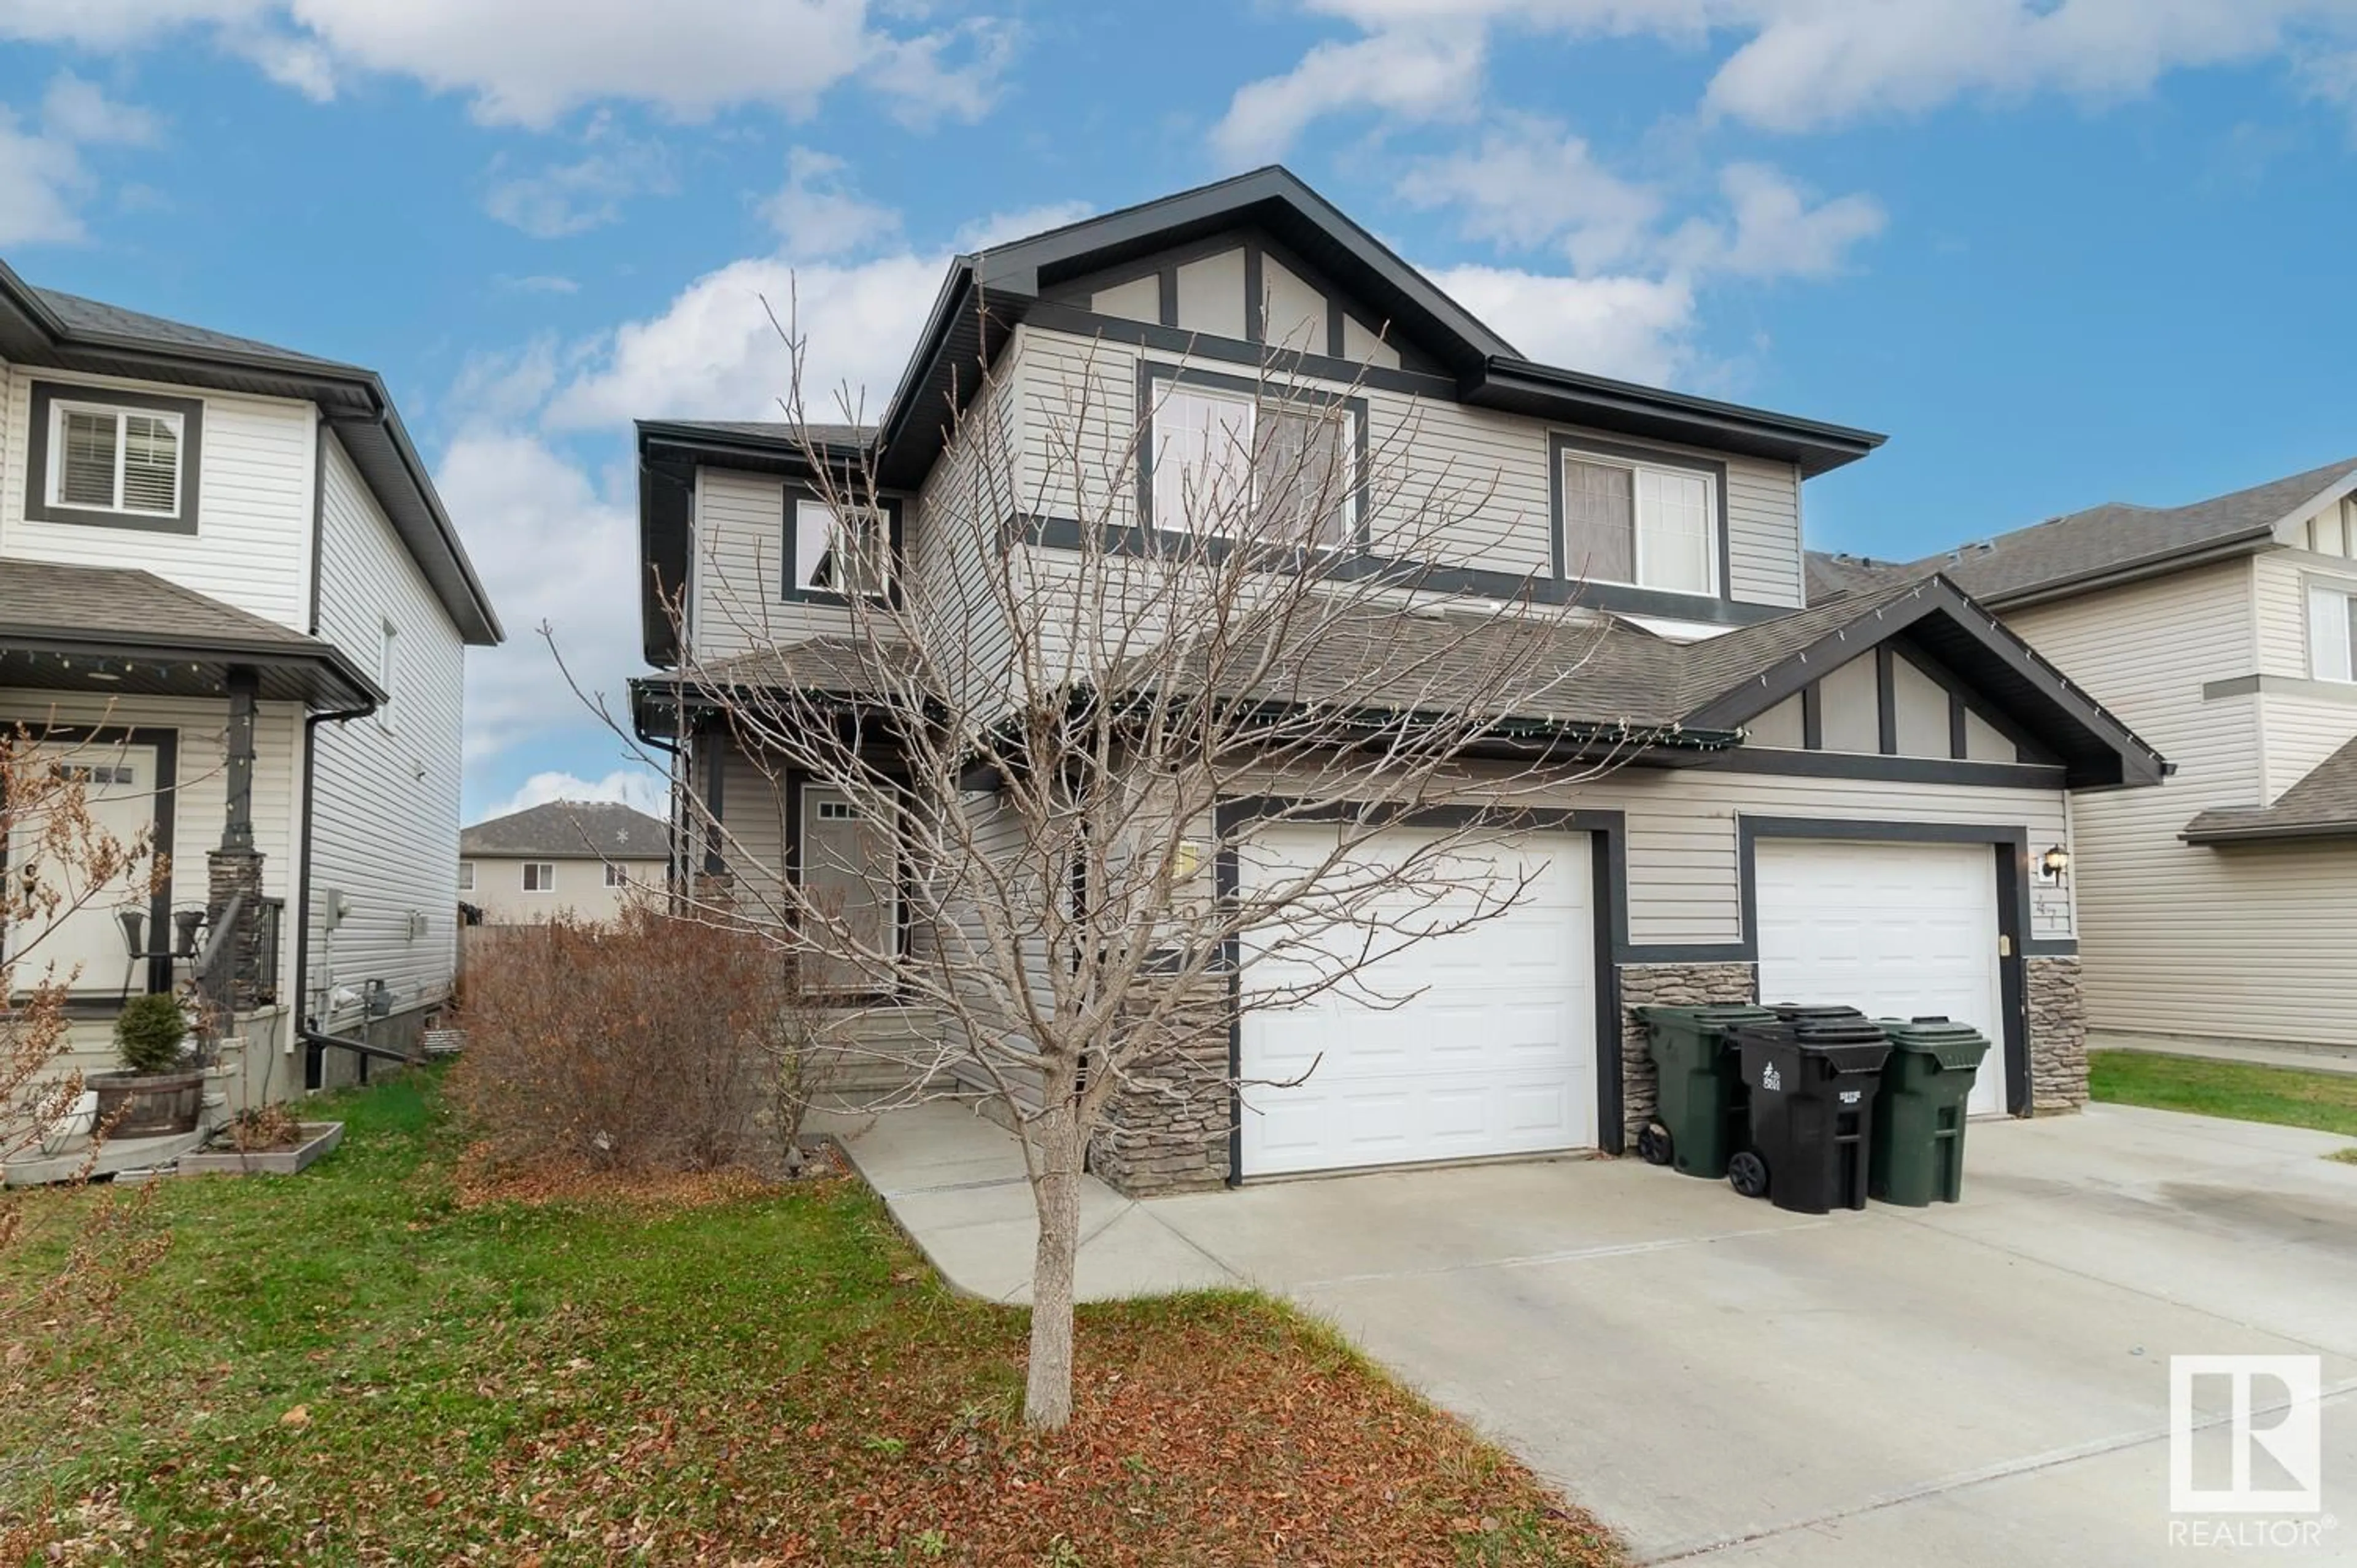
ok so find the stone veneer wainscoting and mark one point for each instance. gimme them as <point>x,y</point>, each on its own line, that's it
<point>1665,986</point>
<point>2058,1035</point>
<point>1168,1129</point>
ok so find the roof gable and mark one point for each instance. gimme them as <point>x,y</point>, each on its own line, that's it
<point>569,829</point>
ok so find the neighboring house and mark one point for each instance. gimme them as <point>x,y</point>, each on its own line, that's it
<point>228,587</point>
<point>1852,806</point>
<point>578,857</point>
<point>2225,905</point>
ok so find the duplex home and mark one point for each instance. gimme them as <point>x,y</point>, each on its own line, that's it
<point>229,592</point>
<point>575,857</point>
<point>1850,803</point>
<point>2221,906</point>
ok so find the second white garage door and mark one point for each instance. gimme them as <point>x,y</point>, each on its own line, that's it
<point>1904,931</point>
<point>1494,1054</point>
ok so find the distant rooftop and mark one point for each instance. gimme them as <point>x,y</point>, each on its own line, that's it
<point>569,829</point>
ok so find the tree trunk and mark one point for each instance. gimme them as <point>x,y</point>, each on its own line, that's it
<point>1055,1195</point>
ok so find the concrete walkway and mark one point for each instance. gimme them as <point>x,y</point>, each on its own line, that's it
<point>2309,1058</point>
<point>1979,1385</point>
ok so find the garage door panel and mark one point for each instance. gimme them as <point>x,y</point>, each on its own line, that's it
<point>1483,1041</point>
<point>1900,930</point>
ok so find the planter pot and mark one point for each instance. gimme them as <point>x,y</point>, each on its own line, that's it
<point>148,1105</point>
<point>318,1138</point>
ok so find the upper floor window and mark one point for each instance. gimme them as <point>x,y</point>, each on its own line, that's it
<point>616,875</point>
<point>112,458</point>
<point>1228,459</point>
<point>539,877</point>
<point>1637,523</point>
<point>832,553</point>
<point>466,876</point>
<point>2331,631</point>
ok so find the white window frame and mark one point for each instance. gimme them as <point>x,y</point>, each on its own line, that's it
<point>53,481</point>
<point>616,875</point>
<point>1170,507</point>
<point>546,877</point>
<point>2340,667</point>
<point>881,516</point>
<point>466,876</point>
<point>1713,522</point>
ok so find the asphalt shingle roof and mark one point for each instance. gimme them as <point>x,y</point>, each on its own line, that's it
<point>777,430</point>
<point>569,829</point>
<point>2322,805</point>
<point>95,315</point>
<point>46,597</point>
<point>2100,539</point>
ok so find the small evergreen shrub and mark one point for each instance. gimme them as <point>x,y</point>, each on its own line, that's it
<point>148,1032</point>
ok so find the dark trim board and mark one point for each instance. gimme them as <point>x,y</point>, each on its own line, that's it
<point>1199,347</point>
<point>1262,391</point>
<point>790,588</point>
<point>165,814</point>
<point>37,508</point>
<point>1898,769</point>
<point>1562,444</point>
<point>1608,918</point>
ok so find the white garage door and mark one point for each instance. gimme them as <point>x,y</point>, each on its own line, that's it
<point>1493,1054</point>
<point>1901,930</point>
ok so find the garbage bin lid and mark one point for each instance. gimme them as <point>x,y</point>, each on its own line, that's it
<point>1956,1047</point>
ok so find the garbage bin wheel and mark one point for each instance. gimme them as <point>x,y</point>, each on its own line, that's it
<point>1653,1143</point>
<point>1747,1172</point>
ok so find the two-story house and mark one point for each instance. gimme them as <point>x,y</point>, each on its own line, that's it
<point>230,595</point>
<point>1849,803</point>
<point>582,858</point>
<point>2225,905</point>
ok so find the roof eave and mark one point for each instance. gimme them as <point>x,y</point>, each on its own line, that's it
<point>2267,832</point>
<point>1813,445</point>
<point>2248,542</point>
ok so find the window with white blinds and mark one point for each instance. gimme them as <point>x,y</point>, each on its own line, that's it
<point>1637,525</point>
<point>2331,633</point>
<point>114,459</point>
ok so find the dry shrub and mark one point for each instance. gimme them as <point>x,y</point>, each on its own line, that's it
<point>648,1043</point>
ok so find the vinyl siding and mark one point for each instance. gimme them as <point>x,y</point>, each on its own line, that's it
<point>385,818</point>
<point>2178,940</point>
<point>974,486</point>
<point>580,889</point>
<point>252,543</point>
<point>737,576</point>
<point>2301,724</point>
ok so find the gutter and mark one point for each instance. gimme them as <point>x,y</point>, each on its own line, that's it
<point>2215,837</point>
<point>312,1057</point>
<point>2139,570</point>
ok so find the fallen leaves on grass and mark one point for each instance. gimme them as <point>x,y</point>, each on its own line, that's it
<point>483,1179</point>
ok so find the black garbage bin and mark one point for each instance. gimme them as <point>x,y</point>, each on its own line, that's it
<point>1699,1117</point>
<point>1811,1077</point>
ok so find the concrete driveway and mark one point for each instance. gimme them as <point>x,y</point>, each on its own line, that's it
<point>1986,1383</point>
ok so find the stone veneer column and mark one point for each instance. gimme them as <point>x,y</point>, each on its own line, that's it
<point>229,873</point>
<point>2058,1035</point>
<point>1167,1129</point>
<point>1665,986</point>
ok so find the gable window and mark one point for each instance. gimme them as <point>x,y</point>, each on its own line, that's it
<point>834,553</point>
<point>114,459</point>
<point>539,877</point>
<point>2331,631</point>
<point>1637,523</point>
<point>1223,455</point>
<point>466,876</point>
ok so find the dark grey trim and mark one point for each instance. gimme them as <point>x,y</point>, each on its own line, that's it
<point>1895,769</point>
<point>2030,748</point>
<point>166,794</point>
<point>714,793</point>
<point>37,508</point>
<point>1688,952</point>
<point>1337,335</point>
<point>1150,371</point>
<point>1256,294</point>
<point>1812,717</point>
<point>260,653</point>
<point>788,588</point>
<point>1202,345</point>
<point>1886,701</point>
<point>1960,733</point>
<point>2341,692</point>
<point>1609,919</point>
<point>1165,294</point>
<point>2011,846</point>
<point>2220,837</point>
<point>1561,443</point>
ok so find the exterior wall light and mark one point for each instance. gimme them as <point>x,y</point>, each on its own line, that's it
<point>2054,863</point>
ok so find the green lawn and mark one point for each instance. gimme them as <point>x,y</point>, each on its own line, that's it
<point>2325,1100</point>
<point>353,1365</point>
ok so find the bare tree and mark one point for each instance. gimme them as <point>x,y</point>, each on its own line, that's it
<point>1065,742</point>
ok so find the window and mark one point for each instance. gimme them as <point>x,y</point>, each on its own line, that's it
<point>832,557</point>
<point>2331,632</point>
<point>1222,455</point>
<point>466,876</point>
<point>388,670</point>
<point>616,875</point>
<point>539,877</point>
<point>104,458</point>
<point>1638,525</point>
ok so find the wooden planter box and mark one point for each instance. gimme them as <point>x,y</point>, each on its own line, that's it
<point>318,1138</point>
<point>148,1105</point>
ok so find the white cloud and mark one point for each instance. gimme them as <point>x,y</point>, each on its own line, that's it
<point>572,199</point>
<point>1420,73</point>
<point>44,177</point>
<point>1529,182</point>
<point>540,282</point>
<point>1635,328</point>
<point>79,112</point>
<point>1776,232</point>
<point>530,62</point>
<point>634,787</point>
<point>816,214</point>
<point>1002,227</point>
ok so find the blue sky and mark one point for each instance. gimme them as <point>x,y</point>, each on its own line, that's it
<point>2063,251</point>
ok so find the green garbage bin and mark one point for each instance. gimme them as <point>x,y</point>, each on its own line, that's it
<point>1699,1119</point>
<point>1918,1134</point>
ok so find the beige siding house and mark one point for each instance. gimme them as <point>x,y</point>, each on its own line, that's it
<point>1847,802</point>
<point>583,858</point>
<point>2223,906</point>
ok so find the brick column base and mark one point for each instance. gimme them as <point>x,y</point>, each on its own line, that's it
<point>1665,986</point>
<point>2057,1035</point>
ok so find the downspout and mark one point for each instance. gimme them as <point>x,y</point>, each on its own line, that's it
<point>313,1056</point>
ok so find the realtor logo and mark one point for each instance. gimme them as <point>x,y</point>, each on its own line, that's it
<point>2274,1457</point>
